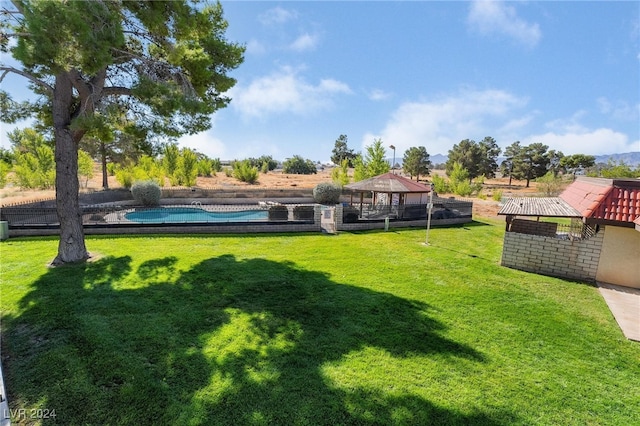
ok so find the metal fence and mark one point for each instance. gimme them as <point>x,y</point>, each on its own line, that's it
<point>443,208</point>
<point>19,216</point>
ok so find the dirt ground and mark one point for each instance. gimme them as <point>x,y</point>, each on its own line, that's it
<point>276,179</point>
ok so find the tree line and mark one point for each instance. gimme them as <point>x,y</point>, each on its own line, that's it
<point>480,160</point>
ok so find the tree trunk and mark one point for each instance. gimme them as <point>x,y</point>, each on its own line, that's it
<point>103,162</point>
<point>71,247</point>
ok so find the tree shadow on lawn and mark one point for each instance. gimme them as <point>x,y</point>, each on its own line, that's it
<point>227,342</point>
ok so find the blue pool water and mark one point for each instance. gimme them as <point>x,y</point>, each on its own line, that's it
<point>188,214</point>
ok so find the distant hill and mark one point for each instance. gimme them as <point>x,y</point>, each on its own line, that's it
<point>629,158</point>
<point>438,159</point>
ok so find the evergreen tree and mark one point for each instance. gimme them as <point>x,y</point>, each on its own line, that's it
<point>341,152</point>
<point>416,162</point>
<point>489,151</point>
<point>574,163</point>
<point>375,159</point>
<point>468,154</point>
<point>166,61</point>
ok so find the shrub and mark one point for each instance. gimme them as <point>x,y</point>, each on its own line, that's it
<point>205,168</point>
<point>340,174</point>
<point>303,212</point>
<point>278,212</point>
<point>299,166</point>
<point>4,170</point>
<point>187,168</point>
<point>327,193</point>
<point>245,172</point>
<point>550,184</point>
<point>125,176</point>
<point>462,188</point>
<point>497,195</point>
<point>85,166</point>
<point>440,184</point>
<point>216,165</point>
<point>36,169</point>
<point>146,192</point>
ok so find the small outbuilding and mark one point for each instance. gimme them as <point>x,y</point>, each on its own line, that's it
<point>600,241</point>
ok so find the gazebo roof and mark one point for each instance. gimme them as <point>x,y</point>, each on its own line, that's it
<point>388,183</point>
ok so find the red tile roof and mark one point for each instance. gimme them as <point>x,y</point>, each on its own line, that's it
<point>608,199</point>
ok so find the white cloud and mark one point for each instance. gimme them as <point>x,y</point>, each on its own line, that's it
<point>440,123</point>
<point>285,92</point>
<point>305,42</point>
<point>277,16</point>
<point>378,95</point>
<point>586,141</point>
<point>205,143</point>
<point>255,47</point>
<point>495,17</point>
<point>619,110</point>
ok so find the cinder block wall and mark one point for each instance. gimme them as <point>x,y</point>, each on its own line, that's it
<point>551,256</point>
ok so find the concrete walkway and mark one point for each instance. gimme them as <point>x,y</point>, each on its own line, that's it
<point>624,303</point>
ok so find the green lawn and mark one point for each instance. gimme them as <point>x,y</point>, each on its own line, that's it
<point>358,328</point>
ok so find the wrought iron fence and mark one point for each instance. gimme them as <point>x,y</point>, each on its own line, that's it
<point>19,216</point>
<point>443,208</point>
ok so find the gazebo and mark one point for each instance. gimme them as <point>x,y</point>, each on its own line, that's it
<point>390,190</point>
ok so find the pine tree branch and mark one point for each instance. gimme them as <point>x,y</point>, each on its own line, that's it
<point>6,70</point>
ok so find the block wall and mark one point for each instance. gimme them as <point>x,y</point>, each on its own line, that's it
<point>576,259</point>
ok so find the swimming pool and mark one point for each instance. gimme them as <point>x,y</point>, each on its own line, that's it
<point>191,214</point>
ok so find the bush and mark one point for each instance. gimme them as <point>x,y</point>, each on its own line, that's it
<point>497,195</point>
<point>440,184</point>
<point>299,166</point>
<point>36,170</point>
<point>146,192</point>
<point>340,174</point>
<point>278,212</point>
<point>303,212</point>
<point>205,167</point>
<point>216,165</point>
<point>245,172</point>
<point>124,176</point>
<point>462,188</point>
<point>550,184</point>
<point>327,193</point>
<point>4,170</point>
<point>187,168</point>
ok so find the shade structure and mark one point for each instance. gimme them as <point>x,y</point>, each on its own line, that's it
<point>391,189</point>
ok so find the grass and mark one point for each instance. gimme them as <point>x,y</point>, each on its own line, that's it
<point>358,328</point>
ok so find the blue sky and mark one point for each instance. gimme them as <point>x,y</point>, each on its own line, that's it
<point>430,74</point>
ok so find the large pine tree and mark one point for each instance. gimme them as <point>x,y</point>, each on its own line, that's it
<point>165,63</point>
